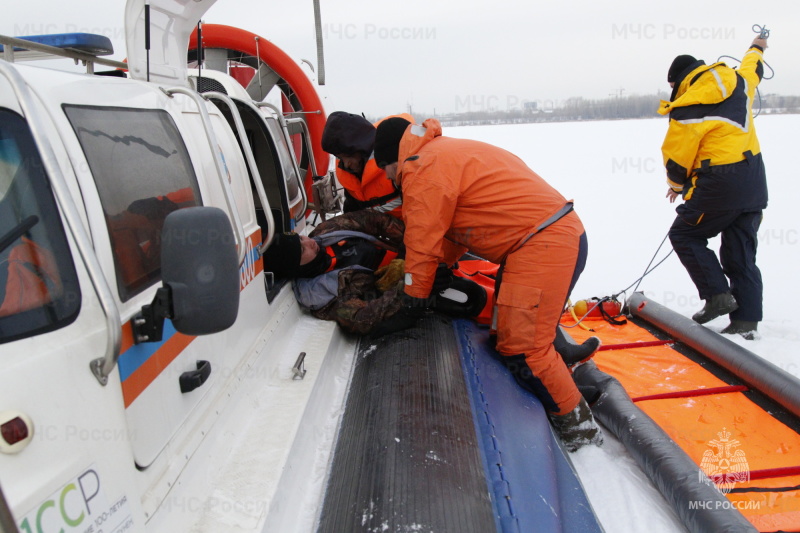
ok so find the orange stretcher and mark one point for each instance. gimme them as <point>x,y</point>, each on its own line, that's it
<point>752,457</point>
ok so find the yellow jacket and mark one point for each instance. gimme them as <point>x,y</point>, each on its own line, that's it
<point>711,133</point>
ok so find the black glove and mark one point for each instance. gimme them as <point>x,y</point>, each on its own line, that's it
<point>442,280</point>
<point>406,317</point>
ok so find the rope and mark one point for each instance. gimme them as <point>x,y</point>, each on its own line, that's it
<point>647,270</point>
<point>615,297</point>
<point>579,322</point>
<point>603,313</point>
<point>763,33</point>
<point>765,77</point>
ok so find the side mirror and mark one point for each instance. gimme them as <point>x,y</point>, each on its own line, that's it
<point>200,273</point>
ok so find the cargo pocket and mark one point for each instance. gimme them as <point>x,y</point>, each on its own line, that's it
<point>517,310</point>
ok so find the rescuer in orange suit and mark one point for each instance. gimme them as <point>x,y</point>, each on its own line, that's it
<point>461,195</point>
<point>350,138</point>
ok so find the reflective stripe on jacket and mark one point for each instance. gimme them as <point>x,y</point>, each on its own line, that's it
<point>711,151</point>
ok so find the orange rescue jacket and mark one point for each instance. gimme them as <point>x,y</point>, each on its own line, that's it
<point>374,188</point>
<point>461,194</point>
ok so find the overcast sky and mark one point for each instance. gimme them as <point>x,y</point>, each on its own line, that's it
<point>443,56</point>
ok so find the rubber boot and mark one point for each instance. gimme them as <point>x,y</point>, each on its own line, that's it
<point>717,305</point>
<point>574,354</point>
<point>742,327</point>
<point>577,428</point>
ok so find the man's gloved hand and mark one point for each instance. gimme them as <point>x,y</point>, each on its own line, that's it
<point>386,277</point>
<point>406,317</point>
<point>443,279</point>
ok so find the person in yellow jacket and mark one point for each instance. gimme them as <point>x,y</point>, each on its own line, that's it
<point>350,138</point>
<point>461,195</point>
<point>713,160</point>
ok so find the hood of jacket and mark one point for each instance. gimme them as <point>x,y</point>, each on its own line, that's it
<point>706,84</point>
<point>347,134</point>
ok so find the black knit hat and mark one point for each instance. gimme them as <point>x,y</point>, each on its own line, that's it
<point>347,134</point>
<point>283,255</point>
<point>387,140</point>
<point>679,64</point>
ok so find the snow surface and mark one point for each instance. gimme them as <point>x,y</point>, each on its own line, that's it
<point>613,171</point>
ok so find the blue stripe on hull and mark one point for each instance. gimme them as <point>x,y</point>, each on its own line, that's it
<point>533,485</point>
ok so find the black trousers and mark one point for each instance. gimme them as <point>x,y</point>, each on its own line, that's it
<point>735,270</point>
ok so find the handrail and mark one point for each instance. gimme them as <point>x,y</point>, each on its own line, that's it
<point>101,367</point>
<point>287,137</point>
<point>71,54</point>
<point>220,165</point>
<point>306,138</point>
<point>257,106</point>
<point>251,162</point>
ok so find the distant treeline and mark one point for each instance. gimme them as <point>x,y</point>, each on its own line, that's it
<point>613,108</point>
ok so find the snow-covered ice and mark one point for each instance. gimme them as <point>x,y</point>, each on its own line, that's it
<point>613,170</point>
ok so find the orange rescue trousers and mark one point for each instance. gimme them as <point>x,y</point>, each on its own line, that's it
<point>535,284</point>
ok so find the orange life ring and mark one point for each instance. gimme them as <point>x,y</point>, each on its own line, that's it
<point>228,37</point>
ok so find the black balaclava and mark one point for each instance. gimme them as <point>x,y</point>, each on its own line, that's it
<point>316,266</point>
<point>348,134</point>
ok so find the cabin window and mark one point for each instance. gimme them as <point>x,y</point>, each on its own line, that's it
<point>280,181</point>
<point>39,289</point>
<point>143,172</point>
<point>293,184</point>
<point>279,178</point>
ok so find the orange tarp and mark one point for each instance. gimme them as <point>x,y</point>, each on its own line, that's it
<point>722,431</point>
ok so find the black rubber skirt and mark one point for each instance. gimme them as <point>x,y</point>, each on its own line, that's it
<point>407,456</point>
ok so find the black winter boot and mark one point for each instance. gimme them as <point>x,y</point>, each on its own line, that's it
<point>577,428</point>
<point>572,353</point>
<point>742,327</point>
<point>717,305</point>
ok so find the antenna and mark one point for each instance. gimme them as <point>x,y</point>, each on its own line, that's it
<point>147,36</point>
<point>320,54</point>
<point>199,50</point>
<point>258,72</point>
